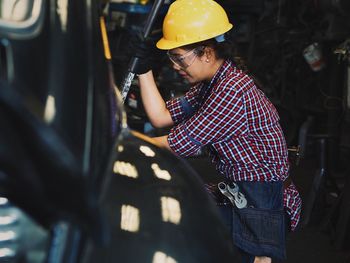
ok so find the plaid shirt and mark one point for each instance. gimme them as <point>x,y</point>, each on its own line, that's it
<point>240,127</point>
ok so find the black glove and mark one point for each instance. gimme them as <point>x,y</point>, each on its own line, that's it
<point>146,53</point>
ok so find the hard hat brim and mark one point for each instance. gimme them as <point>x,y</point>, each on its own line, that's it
<point>165,44</point>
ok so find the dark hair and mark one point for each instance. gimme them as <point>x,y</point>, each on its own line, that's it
<point>223,50</point>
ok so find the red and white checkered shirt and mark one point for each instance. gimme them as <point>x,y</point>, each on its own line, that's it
<point>239,125</point>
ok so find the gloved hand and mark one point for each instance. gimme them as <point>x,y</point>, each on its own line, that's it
<point>145,51</point>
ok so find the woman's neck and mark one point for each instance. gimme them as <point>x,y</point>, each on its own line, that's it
<point>214,67</point>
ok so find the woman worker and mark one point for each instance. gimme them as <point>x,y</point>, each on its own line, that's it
<point>225,112</point>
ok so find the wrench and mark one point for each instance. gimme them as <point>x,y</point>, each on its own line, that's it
<point>231,191</point>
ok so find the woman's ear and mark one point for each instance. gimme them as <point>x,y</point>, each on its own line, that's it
<point>209,53</point>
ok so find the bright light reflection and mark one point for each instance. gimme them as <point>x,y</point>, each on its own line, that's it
<point>126,169</point>
<point>171,211</point>
<point>160,257</point>
<point>62,7</point>
<point>120,148</point>
<point>6,220</point>
<point>161,174</point>
<point>14,10</point>
<point>6,252</point>
<point>7,235</point>
<point>147,151</point>
<point>3,201</point>
<point>130,218</point>
<point>50,109</point>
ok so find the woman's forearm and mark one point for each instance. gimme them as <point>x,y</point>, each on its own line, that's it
<point>153,102</point>
<point>162,141</point>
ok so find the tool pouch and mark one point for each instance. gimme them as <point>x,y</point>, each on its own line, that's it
<point>260,228</point>
<point>260,232</point>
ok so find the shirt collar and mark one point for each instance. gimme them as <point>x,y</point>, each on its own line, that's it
<point>225,68</point>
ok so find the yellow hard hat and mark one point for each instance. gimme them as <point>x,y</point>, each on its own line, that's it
<point>191,21</point>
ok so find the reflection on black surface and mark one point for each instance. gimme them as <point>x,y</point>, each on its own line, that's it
<point>125,168</point>
<point>21,238</point>
<point>130,218</point>
<point>147,151</point>
<point>158,211</point>
<point>50,109</point>
<point>161,257</point>
<point>171,211</point>
<point>159,173</point>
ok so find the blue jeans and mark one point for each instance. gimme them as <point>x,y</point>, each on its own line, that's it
<point>259,229</point>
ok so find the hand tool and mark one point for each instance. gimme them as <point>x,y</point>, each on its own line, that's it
<point>231,191</point>
<point>145,33</point>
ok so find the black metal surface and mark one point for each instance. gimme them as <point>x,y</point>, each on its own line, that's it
<point>157,207</point>
<point>61,68</point>
<point>58,168</point>
<point>56,165</point>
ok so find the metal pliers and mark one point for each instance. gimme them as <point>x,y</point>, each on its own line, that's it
<point>231,191</point>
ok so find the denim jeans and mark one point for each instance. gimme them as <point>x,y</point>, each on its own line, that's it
<point>259,229</point>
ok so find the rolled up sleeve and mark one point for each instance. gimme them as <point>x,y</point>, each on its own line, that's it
<point>222,116</point>
<point>182,143</point>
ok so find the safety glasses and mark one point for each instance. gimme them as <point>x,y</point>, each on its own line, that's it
<point>185,60</point>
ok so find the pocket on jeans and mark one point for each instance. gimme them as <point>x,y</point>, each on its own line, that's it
<point>260,226</point>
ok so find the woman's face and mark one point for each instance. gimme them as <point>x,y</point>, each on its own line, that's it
<point>189,64</point>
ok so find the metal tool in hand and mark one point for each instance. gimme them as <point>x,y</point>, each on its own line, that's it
<point>145,33</point>
<point>231,191</point>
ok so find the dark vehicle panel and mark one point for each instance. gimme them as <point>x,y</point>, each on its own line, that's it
<point>63,64</point>
<point>157,208</point>
<point>62,123</point>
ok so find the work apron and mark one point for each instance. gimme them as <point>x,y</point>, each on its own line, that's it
<point>260,228</point>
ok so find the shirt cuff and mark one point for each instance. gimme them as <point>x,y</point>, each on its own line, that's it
<point>182,143</point>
